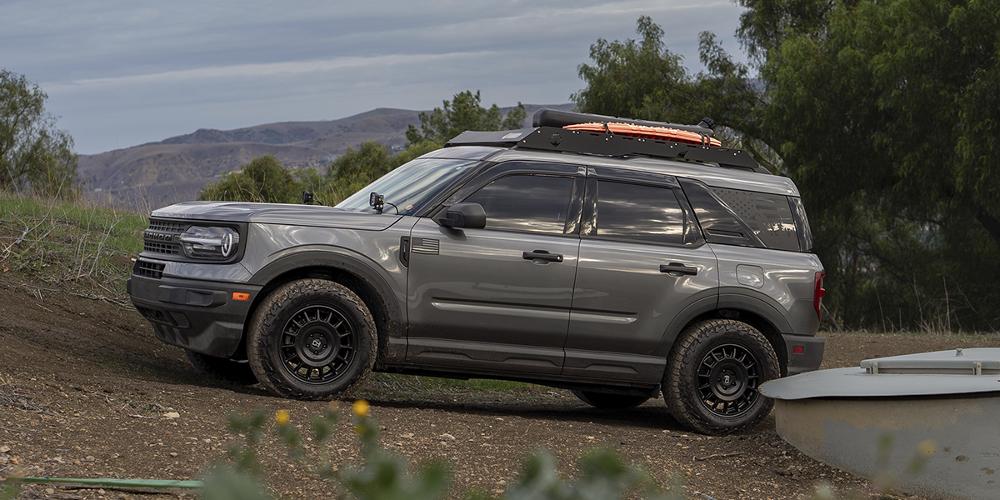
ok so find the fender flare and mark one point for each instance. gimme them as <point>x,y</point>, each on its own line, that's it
<point>392,341</point>
<point>750,300</point>
<point>735,298</point>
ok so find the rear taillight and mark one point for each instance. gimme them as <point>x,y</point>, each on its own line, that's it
<point>818,293</point>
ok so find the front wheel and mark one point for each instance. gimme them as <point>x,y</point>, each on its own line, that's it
<point>714,374</point>
<point>609,401</point>
<point>312,339</point>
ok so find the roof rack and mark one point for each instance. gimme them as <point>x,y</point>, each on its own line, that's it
<point>547,117</point>
<point>608,145</point>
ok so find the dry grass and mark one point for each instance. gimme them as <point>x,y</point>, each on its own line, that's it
<point>67,246</point>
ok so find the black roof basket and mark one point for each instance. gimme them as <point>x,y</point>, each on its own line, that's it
<point>550,136</point>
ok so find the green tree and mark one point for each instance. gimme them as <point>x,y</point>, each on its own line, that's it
<point>34,155</point>
<point>357,168</point>
<point>637,79</point>
<point>463,112</point>
<point>643,79</point>
<point>886,115</point>
<point>262,180</point>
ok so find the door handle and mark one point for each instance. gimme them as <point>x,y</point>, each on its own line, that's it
<point>542,255</point>
<point>676,268</point>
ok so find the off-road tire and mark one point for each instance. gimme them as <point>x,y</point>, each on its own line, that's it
<point>223,369</point>
<point>609,401</point>
<point>680,382</point>
<point>275,313</point>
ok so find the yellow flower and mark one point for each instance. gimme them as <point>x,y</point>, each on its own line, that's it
<point>927,447</point>
<point>361,408</point>
<point>282,417</point>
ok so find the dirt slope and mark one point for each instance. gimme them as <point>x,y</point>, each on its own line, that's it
<point>84,386</point>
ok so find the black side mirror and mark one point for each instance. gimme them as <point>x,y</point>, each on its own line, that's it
<point>308,198</point>
<point>463,216</point>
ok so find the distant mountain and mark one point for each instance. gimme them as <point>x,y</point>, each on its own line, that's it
<point>175,169</point>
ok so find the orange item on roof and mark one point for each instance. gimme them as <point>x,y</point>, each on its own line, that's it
<point>671,134</point>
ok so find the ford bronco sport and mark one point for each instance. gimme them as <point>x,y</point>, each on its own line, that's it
<point>619,266</point>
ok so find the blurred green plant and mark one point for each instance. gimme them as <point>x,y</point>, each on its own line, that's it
<point>10,489</point>
<point>384,475</point>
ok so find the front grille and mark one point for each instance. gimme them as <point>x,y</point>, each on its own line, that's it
<point>148,269</point>
<point>167,226</point>
<point>161,237</point>
<point>160,247</point>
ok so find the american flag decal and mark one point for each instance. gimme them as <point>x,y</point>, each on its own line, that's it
<point>427,246</point>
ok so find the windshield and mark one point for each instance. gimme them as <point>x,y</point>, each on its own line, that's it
<point>411,185</point>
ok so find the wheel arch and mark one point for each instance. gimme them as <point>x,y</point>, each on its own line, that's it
<point>753,308</point>
<point>351,271</point>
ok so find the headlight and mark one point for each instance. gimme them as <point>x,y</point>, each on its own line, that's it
<point>218,243</point>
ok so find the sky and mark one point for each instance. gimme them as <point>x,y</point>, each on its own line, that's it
<point>125,72</point>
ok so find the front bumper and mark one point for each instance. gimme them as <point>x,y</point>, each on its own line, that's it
<point>804,353</point>
<point>200,316</point>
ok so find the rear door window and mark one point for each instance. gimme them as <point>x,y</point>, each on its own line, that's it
<point>641,213</point>
<point>768,215</point>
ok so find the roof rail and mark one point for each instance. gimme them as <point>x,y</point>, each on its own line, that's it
<point>557,139</point>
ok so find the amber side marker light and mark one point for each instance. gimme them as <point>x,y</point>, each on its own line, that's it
<point>241,296</point>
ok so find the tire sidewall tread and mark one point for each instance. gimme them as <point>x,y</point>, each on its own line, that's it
<point>265,330</point>
<point>681,396</point>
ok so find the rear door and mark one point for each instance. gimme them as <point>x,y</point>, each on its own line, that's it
<point>642,260</point>
<point>497,300</point>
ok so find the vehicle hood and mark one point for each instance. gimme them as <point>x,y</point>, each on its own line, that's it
<point>277,213</point>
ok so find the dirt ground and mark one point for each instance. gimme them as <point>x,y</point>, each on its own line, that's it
<point>84,388</point>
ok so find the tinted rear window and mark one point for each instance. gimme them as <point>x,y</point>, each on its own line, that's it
<point>768,215</point>
<point>638,212</point>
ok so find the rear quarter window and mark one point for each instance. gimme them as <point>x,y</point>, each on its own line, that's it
<point>768,215</point>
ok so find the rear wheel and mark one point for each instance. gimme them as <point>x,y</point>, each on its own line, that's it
<point>610,401</point>
<point>713,376</point>
<point>312,339</point>
<point>227,370</point>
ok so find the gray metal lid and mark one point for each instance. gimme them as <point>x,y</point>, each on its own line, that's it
<point>961,371</point>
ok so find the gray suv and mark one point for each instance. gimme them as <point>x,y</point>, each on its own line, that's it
<point>619,266</point>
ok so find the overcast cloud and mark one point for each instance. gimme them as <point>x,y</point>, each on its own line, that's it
<point>124,72</point>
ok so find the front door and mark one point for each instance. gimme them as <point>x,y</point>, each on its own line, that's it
<point>642,260</point>
<point>497,300</point>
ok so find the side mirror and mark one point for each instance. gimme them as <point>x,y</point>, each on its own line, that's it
<point>463,216</point>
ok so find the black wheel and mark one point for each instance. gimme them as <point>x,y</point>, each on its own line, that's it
<point>713,375</point>
<point>227,370</point>
<point>311,339</point>
<point>610,401</point>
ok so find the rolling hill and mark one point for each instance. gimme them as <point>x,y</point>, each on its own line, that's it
<point>175,169</point>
